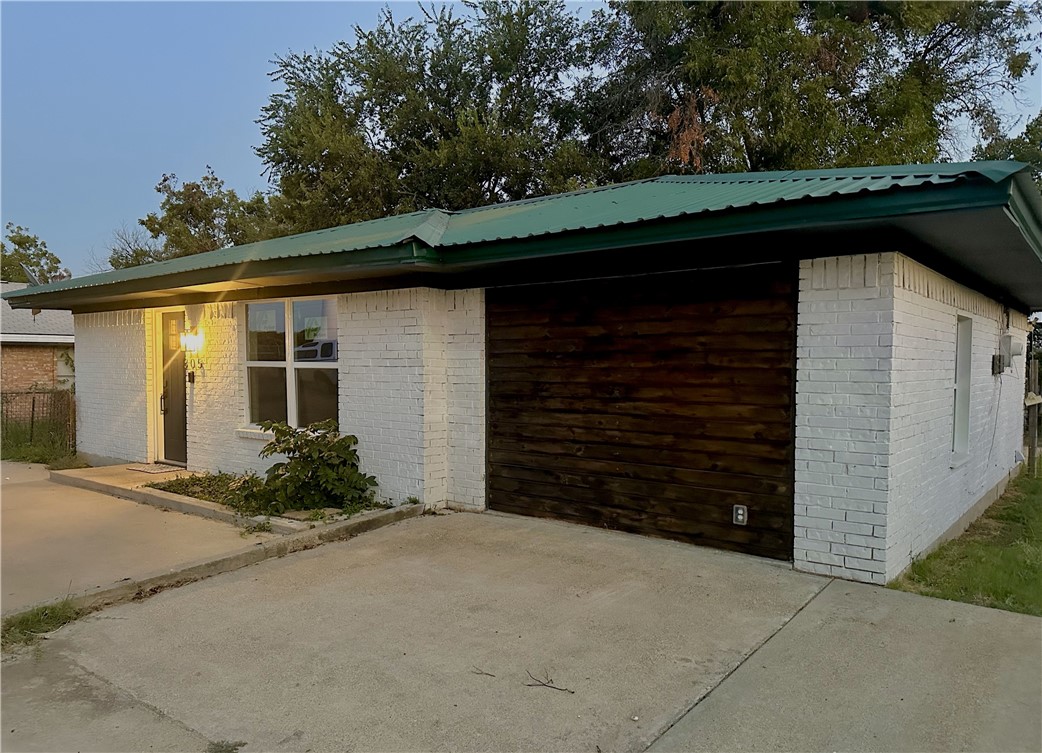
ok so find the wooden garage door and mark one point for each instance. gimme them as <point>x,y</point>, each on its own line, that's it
<point>651,404</point>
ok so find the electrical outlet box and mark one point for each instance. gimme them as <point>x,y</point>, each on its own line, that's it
<point>740,515</point>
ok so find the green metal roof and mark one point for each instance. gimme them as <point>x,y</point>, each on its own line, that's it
<point>640,212</point>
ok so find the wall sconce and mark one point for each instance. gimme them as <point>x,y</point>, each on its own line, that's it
<point>192,345</point>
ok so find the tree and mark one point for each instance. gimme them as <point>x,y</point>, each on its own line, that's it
<point>193,218</point>
<point>734,86</point>
<point>444,111</point>
<point>132,247</point>
<point>1027,147</point>
<point>22,247</point>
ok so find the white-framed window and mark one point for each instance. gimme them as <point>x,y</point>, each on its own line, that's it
<point>291,371</point>
<point>961,392</point>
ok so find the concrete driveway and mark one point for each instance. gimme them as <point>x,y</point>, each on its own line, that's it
<point>59,540</point>
<point>422,635</point>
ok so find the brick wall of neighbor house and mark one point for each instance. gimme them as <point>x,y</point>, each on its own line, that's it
<point>874,413</point>
<point>25,366</point>
<point>927,495</point>
<point>112,378</point>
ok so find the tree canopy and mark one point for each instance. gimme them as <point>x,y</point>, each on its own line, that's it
<point>1025,147</point>
<point>22,247</point>
<point>733,86</point>
<point>521,98</point>
<point>444,110</point>
<point>193,218</point>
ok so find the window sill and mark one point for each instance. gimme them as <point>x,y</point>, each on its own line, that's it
<point>960,460</point>
<point>249,432</point>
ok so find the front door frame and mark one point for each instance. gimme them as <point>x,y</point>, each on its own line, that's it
<point>157,381</point>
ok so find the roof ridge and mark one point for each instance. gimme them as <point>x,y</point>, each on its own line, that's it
<point>548,197</point>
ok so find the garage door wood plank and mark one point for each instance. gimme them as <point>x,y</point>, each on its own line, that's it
<point>769,513</point>
<point>775,360</point>
<point>773,499</point>
<point>672,425</point>
<point>617,390</point>
<point>580,435</point>
<point>625,329</point>
<point>703,411</point>
<point>638,472</point>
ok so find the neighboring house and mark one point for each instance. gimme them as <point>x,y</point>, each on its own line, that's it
<point>823,366</point>
<point>36,349</point>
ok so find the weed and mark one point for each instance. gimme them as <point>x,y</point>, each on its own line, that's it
<point>26,628</point>
<point>262,527</point>
<point>50,441</point>
<point>412,500</point>
<point>224,746</point>
<point>66,462</point>
<point>213,487</point>
<point>996,563</point>
<point>365,505</point>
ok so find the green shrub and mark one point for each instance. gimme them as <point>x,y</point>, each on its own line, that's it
<point>320,470</point>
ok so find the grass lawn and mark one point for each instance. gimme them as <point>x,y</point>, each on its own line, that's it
<point>996,563</point>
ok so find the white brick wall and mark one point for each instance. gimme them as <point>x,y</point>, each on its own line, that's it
<point>112,379</point>
<point>412,389</point>
<point>844,337</point>
<point>382,385</point>
<point>217,400</point>
<point>875,367</point>
<point>465,377</point>
<point>928,495</point>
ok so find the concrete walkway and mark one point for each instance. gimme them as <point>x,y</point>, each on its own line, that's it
<point>58,540</point>
<point>422,635</point>
<point>863,668</point>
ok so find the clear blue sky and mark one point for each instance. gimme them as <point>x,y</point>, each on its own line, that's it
<point>100,99</point>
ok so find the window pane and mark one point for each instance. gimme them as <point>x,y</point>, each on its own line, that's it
<point>266,332</point>
<point>316,395</point>
<point>314,331</point>
<point>267,394</point>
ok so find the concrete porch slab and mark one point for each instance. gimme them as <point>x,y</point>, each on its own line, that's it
<point>126,482</point>
<point>59,541</point>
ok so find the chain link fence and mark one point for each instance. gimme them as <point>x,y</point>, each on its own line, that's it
<point>44,420</point>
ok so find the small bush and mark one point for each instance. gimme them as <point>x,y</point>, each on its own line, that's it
<point>320,470</point>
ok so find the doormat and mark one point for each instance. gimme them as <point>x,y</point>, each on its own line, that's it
<point>155,468</point>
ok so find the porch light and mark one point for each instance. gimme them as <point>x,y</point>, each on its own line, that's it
<point>192,345</point>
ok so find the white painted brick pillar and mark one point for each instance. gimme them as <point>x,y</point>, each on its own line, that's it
<point>412,390</point>
<point>844,344</point>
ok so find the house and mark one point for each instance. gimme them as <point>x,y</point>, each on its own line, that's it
<point>36,348</point>
<point>820,366</point>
